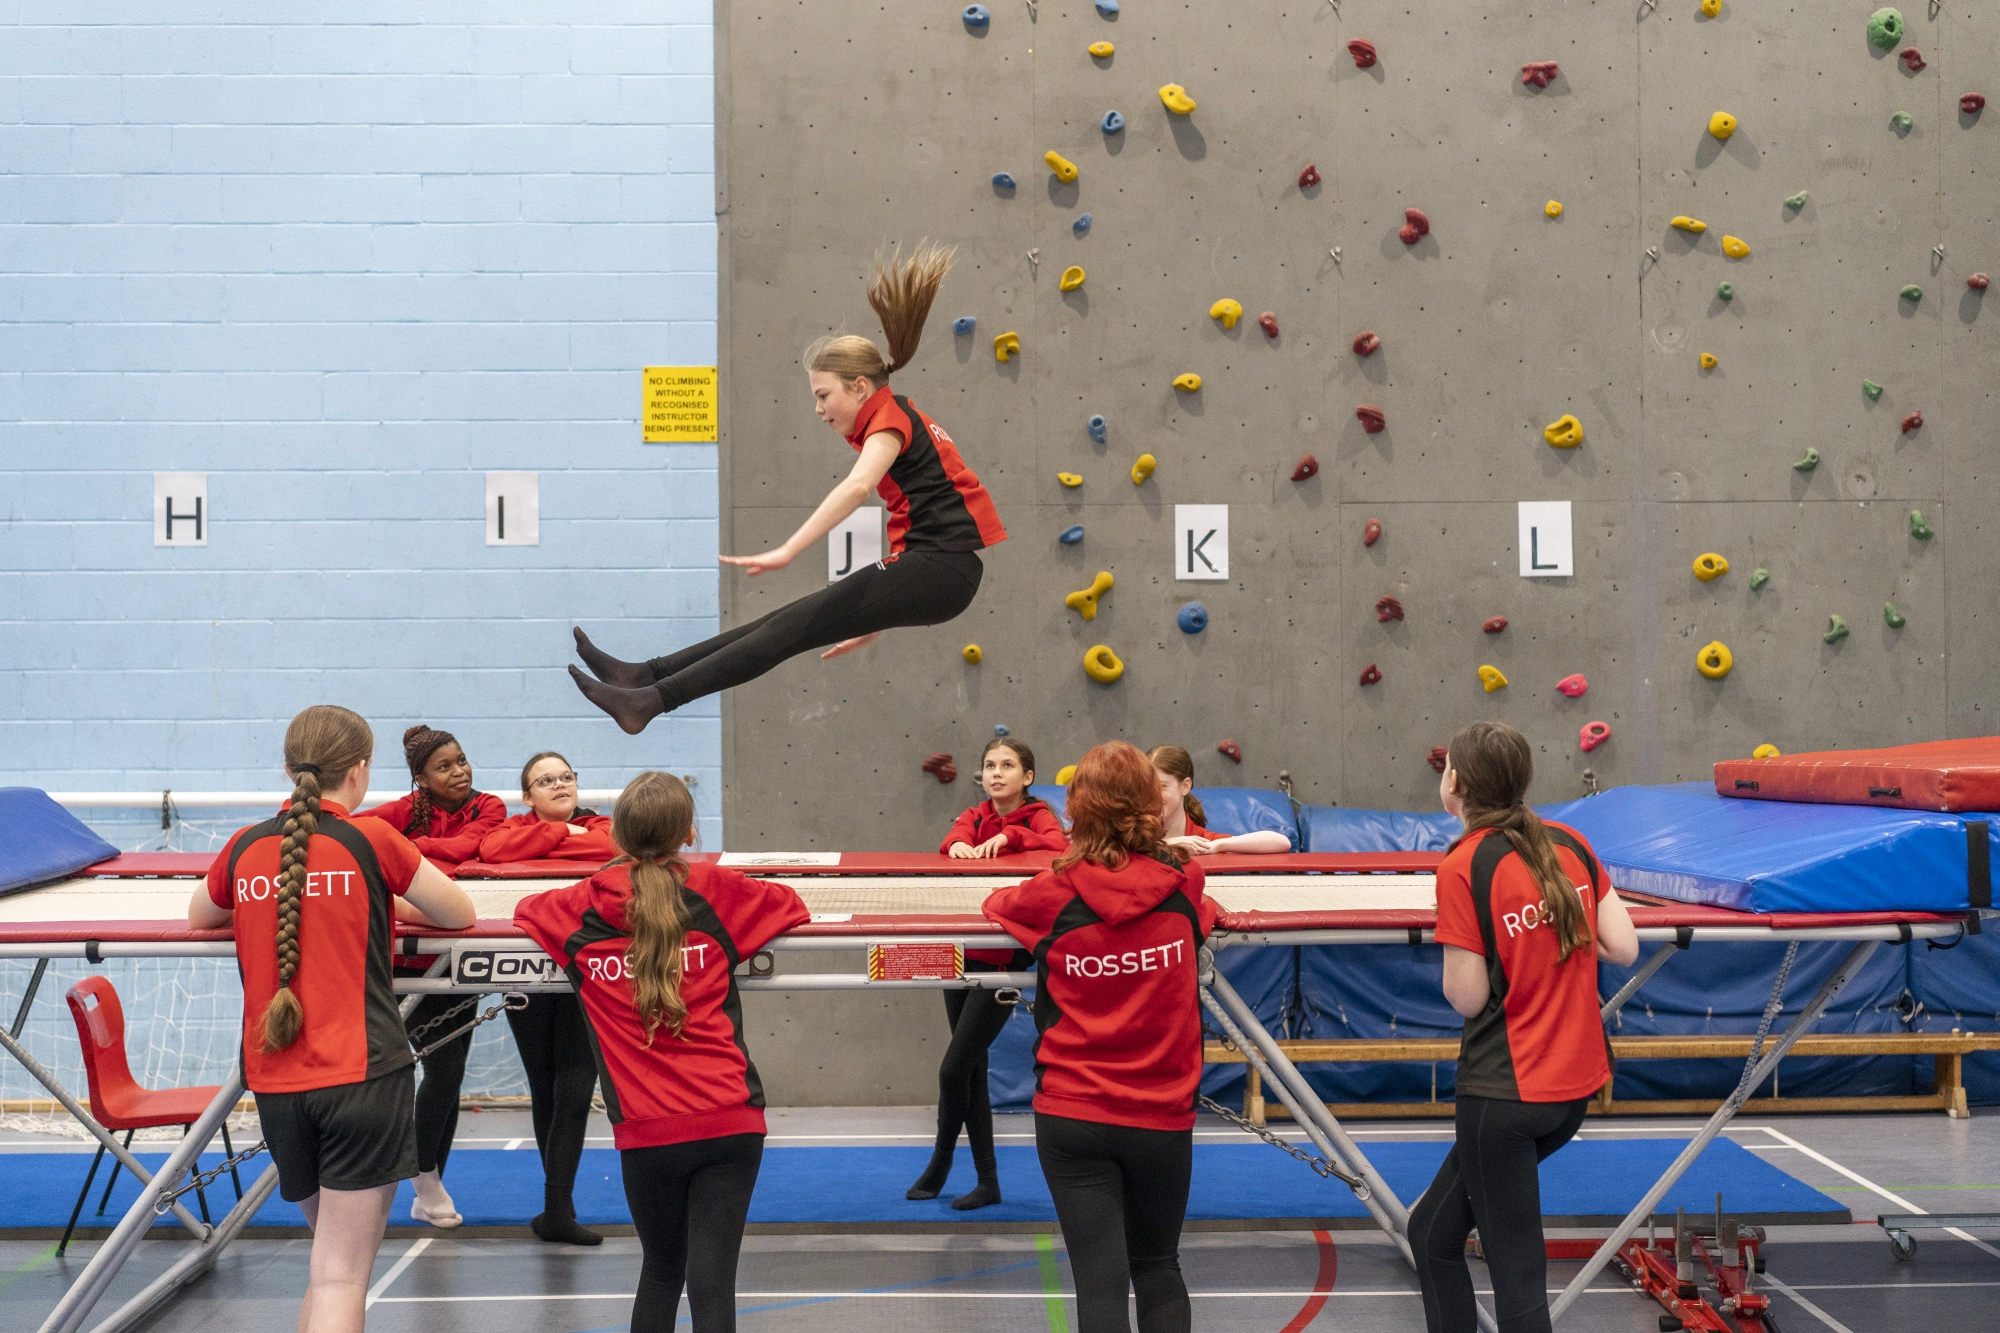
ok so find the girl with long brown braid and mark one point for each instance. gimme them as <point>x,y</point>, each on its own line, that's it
<point>310,896</point>
<point>940,517</point>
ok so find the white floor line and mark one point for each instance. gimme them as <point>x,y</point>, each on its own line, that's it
<point>513,1144</point>
<point>1619,1290</point>
<point>417,1247</point>
<point>1808,1306</point>
<point>1866,1183</point>
<point>1884,1286</point>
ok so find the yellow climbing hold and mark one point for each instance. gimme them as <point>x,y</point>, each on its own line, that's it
<point>1565,432</point>
<point>1714,660</point>
<point>1064,168</point>
<point>1102,665</point>
<point>1711,8</point>
<point>1721,124</point>
<point>1067,771</point>
<point>1176,99</point>
<point>1492,679</point>
<point>1187,383</point>
<point>1709,566</point>
<point>971,653</point>
<point>1006,347</point>
<point>1227,311</point>
<point>1553,208</point>
<point>1686,223</point>
<point>1708,361</point>
<point>1084,601</point>
<point>1767,751</point>
<point>1143,469</point>
<point>1101,49</point>
<point>1070,478</point>
<point>1734,248</point>
<point>1072,278</point>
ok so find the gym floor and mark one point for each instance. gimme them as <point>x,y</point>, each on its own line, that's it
<point>1838,1278</point>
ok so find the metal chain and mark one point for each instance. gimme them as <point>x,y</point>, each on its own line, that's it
<point>507,1001</point>
<point>204,1179</point>
<point>1772,1007</point>
<point>417,1032</point>
<point>1319,1164</point>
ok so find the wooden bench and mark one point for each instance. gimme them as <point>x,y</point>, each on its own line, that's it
<point>1947,1092</point>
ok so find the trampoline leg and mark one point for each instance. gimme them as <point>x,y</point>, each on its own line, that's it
<point>1639,978</point>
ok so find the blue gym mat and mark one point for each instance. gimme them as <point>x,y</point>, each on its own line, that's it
<point>1591,1182</point>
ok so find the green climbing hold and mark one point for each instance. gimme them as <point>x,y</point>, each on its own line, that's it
<point>1885,28</point>
<point>1913,293</point>
<point>1902,121</point>
<point>1726,292</point>
<point>1808,463</point>
<point>1872,389</point>
<point>1836,630</point>
<point>1918,528</point>
<point>1797,201</point>
<point>1891,616</point>
<point>1758,578</point>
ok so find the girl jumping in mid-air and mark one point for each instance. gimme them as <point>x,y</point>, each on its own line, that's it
<point>939,519</point>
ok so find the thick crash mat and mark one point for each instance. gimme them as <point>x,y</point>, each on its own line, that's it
<point>1948,776</point>
<point>40,841</point>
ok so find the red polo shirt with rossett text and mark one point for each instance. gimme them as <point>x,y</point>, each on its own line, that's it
<point>935,501</point>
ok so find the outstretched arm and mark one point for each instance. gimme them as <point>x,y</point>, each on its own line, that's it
<point>877,453</point>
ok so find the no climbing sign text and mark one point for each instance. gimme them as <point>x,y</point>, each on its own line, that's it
<point>678,405</point>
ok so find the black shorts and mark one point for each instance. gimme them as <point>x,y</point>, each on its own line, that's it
<point>356,1136</point>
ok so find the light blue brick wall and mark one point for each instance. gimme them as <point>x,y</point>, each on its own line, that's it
<point>345,261</point>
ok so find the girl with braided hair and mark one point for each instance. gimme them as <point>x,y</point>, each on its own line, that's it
<point>940,517</point>
<point>310,895</point>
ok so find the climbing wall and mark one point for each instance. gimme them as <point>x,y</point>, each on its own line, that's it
<point>844,125</point>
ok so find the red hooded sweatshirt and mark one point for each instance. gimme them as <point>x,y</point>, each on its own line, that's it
<point>453,836</point>
<point>529,837</point>
<point>699,1083</point>
<point>1115,1004</point>
<point>1032,827</point>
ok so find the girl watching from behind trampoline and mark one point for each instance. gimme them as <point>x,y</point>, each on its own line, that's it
<point>1007,821</point>
<point>651,943</point>
<point>1182,816</point>
<point>1116,926</point>
<point>1525,913</point>
<point>310,895</point>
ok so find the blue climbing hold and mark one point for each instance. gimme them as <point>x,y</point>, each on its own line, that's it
<point>999,729</point>
<point>975,16</point>
<point>1193,618</point>
<point>1071,536</point>
<point>1081,225</point>
<point>1107,7</point>
<point>1098,427</point>
<point>963,324</point>
<point>1002,181</point>
<point>1113,122</point>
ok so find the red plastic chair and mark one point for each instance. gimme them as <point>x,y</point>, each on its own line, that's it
<point>116,1099</point>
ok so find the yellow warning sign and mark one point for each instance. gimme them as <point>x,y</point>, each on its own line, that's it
<point>678,405</point>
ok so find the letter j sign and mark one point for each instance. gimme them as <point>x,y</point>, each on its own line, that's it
<point>1201,541</point>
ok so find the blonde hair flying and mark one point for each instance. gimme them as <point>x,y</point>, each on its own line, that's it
<point>901,291</point>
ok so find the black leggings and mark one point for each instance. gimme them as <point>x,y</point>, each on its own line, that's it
<point>964,1101</point>
<point>1121,1196</point>
<point>689,1202</point>
<point>554,1041</point>
<point>917,588</point>
<point>1489,1180</point>
<point>444,1072</point>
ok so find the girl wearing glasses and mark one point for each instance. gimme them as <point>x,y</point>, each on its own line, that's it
<point>553,828</point>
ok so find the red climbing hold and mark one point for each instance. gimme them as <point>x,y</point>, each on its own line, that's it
<point>1366,342</point>
<point>1269,323</point>
<point>1977,282</point>
<point>941,767</point>
<point>1438,755</point>
<point>1913,58</point>
<point>1363,53</point>
<point>1372,533</point>
<point>1537,73</point>
<point>1308,467</point>
<point>1415,226</point>
<point>1914,421</point>
<point>1371,675</point>
<point>1593,735</point>
<point>1371,418</point>
<point>1495,625</point>
<point>1573,686</point>
<point>1972,103</point>
<point>1309,177</point>
<point>1388,609</point>
<point>1232,749</point>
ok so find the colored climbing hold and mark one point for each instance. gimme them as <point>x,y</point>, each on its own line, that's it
<point>1102,50</point>
<point>940,766</point>
<point>1686,223</point>
<point>1064,774</point>
<point>1726,292</point>
<point>1372,675</point>
<point>1885,28</point>
<point>1594,734</point>
<point>1071,535</point>
<point>1836,630</point>
<point>1000,729</point>
<point>1914,421</point>
<point>1808,462</point>
<point>1113,122</point>
<point>1108,8</point>
<point>1084,600</point>
<point>1918,528</point>
<point>1309,177</point>
<point>1872,390</point>
<point>1230,748</point>
<point>1735,248</point>
<point>1371,532</point>
<point>1767,751</point>
<point>1102,665</point>
<point>1064,169</point>
<point>1977,282</point>
<point>1492,678</point>
<point>1175,99</point>
<point>1070,478</point>
<point>971,653</point>
<point>1227,311</point>
<point>1187,383</point>
<point>1006,346</point>
<point>1371,418</point>
<point>975,16</point>
<point>1714,660</point>
<point>1722,124</point>
<point>1553,208</point>
<point>1972,104</point>
<point>1708,361</point>
<point>1365,343</point>
<point>1537,73</point>
<point>1269,323</point>
<point>1306,467</point>
<point>1913,59</point>
<point>1193,618</point>
<point>1573,686</point>
<point>964,324</point>
<point>1495,625</point>
<point>1709,9</point>
<point>1142,468</point>
<point>1363,53</point>
<point>1098,427</point>
<point>1912,293</point>
<point>1902,120</point>
<point>1565,432</point>
<point>1003,180</point>
<point>1439,757</point>
<point>1072,278</point>
<point>1081,226</point>
<point>1708,566</point>
<point>1758,578</point>
<point>1388,609</point>
<point>1892,617</point>
<point>1797,201</point>
<point>1415,226</point>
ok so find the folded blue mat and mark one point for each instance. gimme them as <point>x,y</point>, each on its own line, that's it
<point>40,841</point>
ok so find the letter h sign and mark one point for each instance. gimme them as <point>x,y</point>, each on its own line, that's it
<point>180,509</point>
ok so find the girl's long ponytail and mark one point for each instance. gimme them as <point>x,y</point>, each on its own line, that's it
<point>653,820</point>
<point>1495,764</point>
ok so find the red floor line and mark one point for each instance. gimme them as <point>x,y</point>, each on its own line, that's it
<point>1329,1268</point>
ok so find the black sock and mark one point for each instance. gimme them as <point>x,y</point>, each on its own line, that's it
<point>630,709</point>
<point>563,1230</point>
<point>983,1195</point>
<point>625,675</point>
<point>931,1183</point>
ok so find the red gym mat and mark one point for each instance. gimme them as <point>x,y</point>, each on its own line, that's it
<point>1947,776</point>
